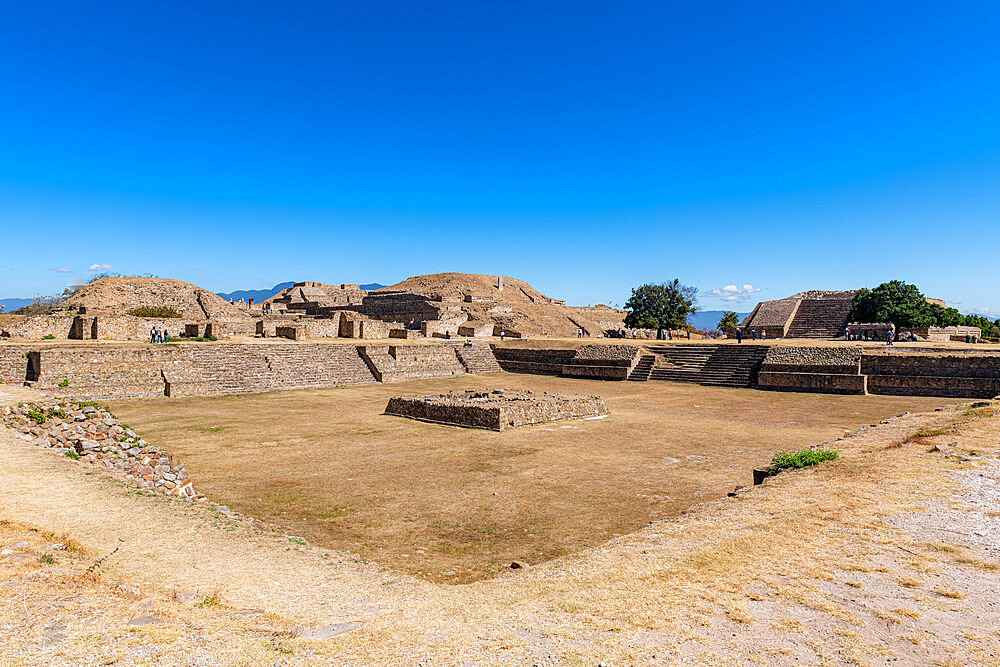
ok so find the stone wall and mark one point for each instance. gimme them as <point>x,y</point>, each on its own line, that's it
<point>943,334</point>
<point>772,316</point>
<point>914,385</point>
<point>392,363</point>
<point>14,363</point>
<point>476,328</point>
<point>836,360</point>
<point>931,365</point>
<point>602,362</point>
<point>824,383</point>
<point>139,371</point>
<point>447,326</point>
<point>498,410</point>
<point>35,327</point>
<point>527,360</point>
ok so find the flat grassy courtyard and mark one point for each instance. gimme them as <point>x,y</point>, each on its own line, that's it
<point>455,505</point>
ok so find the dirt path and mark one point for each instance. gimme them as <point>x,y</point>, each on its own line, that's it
<point>883,554</point>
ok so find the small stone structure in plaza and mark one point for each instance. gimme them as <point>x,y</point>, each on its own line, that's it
<point>497,409</point>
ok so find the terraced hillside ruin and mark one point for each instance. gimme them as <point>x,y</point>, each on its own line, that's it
<point>512,305</point>
<point>120,296</point>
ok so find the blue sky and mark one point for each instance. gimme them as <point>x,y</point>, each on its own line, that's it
<point>585,147</point>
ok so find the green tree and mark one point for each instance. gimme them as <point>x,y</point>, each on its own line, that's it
<point>663,306</point>
<point>729,320</point>
<point>897,302</point>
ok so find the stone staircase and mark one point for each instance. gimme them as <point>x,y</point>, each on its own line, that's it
<point>477,359</point>
<point>717,365</point>
<point>820,319</point>
<point>642,369</point>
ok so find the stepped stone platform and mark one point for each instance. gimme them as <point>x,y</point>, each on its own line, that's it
<point>822,369</point>
<point>815,314</point>
<point>497,409</point>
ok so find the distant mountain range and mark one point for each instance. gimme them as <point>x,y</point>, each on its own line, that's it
<point>709,319</point>
<point>10,305</point>
<point>259,295</point>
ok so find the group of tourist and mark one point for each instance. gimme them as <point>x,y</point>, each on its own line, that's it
<point>265,308</point>
<point>865,334</point>
<point>158,335</point>
<point>753,334</point>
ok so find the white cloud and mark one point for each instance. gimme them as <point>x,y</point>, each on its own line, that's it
<point>733,292</point>
<point>986,312</point>
<point>61,269</point>
<point>99,267</point>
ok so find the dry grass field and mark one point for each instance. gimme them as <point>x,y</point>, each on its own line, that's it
<point>456,505</point>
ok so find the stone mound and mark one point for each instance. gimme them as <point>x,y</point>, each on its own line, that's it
<point>118,296</point>
<point>459,286</point>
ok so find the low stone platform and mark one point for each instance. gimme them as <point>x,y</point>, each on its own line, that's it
<point>497,410</point>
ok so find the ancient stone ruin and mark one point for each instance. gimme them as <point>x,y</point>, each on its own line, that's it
<point>497,409</point>
<point>814,314</point>
<point>91,434</point>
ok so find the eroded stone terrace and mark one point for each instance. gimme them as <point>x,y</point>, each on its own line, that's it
<point>497,409</point>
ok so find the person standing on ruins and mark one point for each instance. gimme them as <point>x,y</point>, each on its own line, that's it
<point>739,335</point>
<point>152,335</point>
<point>889,337</point>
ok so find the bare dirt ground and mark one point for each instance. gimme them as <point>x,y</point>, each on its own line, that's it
<point>455,505</point>
<point>886,554</point>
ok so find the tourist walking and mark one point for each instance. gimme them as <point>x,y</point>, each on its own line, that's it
<point>847,333</point>
<point>689,334</point>
<point>889,337</point>
<point>739,335</point>
<point>501,335</point>
<point>763,334</point>
<point>152,335</point>
<point>753,334</point>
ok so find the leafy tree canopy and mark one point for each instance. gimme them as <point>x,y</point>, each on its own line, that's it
<point>729,320</point>
<point>904,305</point>
<point>663,306</point>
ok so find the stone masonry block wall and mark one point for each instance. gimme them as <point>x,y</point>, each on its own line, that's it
<point>527,360</point>
<point>128,327</point>
<point>915,385</point>
<point>773,315</point>
<point>949,365</point>
<point>499,410</point>
<point>14,363</point>
<point>836,360</point>
<point>35,327</point>
<point>824,383</point>
<point>602,362</point>
<point>129,371</point>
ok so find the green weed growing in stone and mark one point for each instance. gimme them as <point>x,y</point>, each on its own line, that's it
<point>801,459</point>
